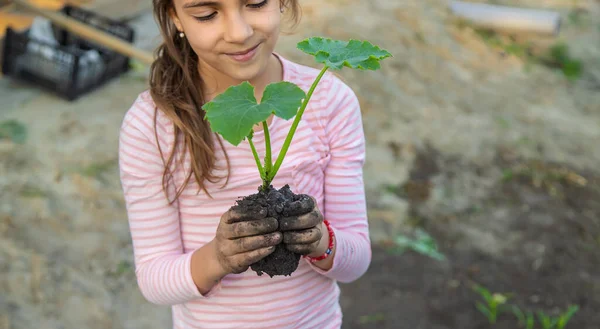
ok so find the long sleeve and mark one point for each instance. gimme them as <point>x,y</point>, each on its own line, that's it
<point>345,203</point>
<point>162,268</point>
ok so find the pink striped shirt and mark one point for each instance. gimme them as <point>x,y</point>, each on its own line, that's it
<point>325,160</point>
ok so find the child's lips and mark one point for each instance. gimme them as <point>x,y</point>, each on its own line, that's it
<point>245,55</point>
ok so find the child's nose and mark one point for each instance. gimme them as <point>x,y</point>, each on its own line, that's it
<point>238,30</point>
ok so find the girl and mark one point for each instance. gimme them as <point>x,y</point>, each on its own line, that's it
<point>180,179</point>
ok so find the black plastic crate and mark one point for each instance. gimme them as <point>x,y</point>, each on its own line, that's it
<point>69,69</point>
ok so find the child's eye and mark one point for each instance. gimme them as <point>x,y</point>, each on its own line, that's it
<point>206,18</point>
<point>251,5</point>
<point>258,5</point>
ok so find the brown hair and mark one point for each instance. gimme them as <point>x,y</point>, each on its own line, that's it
<point>175,87</point>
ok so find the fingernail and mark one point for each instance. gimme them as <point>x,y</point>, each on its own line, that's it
<point>275,236</point>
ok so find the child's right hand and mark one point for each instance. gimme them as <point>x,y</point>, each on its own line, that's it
<point>243,239</point>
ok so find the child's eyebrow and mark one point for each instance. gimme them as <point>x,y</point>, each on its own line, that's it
<point>200,3</point>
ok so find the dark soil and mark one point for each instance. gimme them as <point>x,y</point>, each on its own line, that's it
<point>280,204</point>
<point>540,229</point>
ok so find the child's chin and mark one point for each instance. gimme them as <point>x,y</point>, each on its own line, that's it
<point>247,73</point>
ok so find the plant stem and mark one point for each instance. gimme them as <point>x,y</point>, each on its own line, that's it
<point>268,158</point>
<point>288,140</point>
<point>261,170</point>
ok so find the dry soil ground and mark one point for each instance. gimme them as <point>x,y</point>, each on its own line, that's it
<point>495,158</point>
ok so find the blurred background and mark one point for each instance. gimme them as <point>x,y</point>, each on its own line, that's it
<point>482,174</point>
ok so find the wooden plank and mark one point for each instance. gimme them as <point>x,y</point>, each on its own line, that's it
<point>19,19</point>
<point>119,9</point>
<point>16,21</point>
<point>90,33</point>
<point>115,9</point>
<point>10,15</point>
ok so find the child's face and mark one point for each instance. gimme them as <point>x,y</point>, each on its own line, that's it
<point>218,29</point>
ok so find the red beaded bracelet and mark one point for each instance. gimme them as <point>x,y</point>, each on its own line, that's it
<point>329,248</point>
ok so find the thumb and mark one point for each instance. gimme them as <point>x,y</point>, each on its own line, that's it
<point>304,205</point>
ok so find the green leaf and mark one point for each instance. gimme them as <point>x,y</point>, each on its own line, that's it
<point>423,244</point>
<point>546,321</point>
<point>520,315</point>
<point>233,113</point>
<point>336,54</point>
<point>483,309</point>
<point>283,99</point>
<point>564,319</point>
<point>485,293</point>
<point>530,321</point>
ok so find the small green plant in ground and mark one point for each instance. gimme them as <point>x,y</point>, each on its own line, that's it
<point>390,188</point>
<point>557,57</point>
<point>30,191</point>
<point>559,322</point>
<point>95,170</point>
<point>511,47</point>
<point>423,243</point>
<point>235,112</point>
<point>122,268</point>
<point>544,175</point>
<point>13,130</point>
<point>371,318</point>
<point>495,303</point>
<point>578,16</point>
<point>526,318</point>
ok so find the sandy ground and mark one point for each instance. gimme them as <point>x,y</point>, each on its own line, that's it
<point>495,158</point>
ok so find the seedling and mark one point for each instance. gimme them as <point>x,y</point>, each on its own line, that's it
<point>372,318</point>
<point>526,318</point>
<point>13,130</point>
<point>559,57</point>
<point>233,114</point>
<point>423,243</point>
<point>494,303</point>
<point>549,322</point>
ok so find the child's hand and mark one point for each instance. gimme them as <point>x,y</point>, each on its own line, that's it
<point>243,239</point>
<point>302,228</point>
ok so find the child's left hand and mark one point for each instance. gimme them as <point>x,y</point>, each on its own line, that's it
<point>302,229</point>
